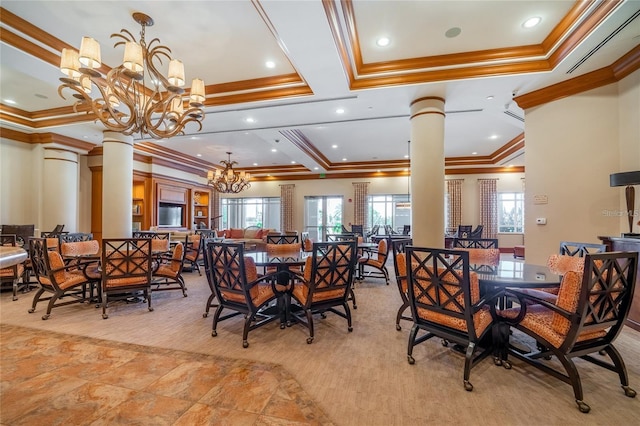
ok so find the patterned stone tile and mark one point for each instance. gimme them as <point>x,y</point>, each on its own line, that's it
<point>202,414</point>
<point>190,380</point>
<point>139,372</point>
<point>145,409</point>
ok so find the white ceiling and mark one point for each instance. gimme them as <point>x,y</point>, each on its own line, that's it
<point>226,43</point>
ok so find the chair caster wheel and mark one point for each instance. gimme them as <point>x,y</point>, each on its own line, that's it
<point>497,361</point>
<point>14,298</point>
<point>105,316</point>
<point>507,365</point>
<point>31,310</point>
<point>150,309</point>
<point>323,315</point>
<point>629,392</point>
<point>45,317</point>
<point>309,340</point>
<point>398,327</point>
<point>444,342</point>
<point>205,315</point>
<point>350,329</point>
<point>245,344</point>
<point>584,408</point>
<point>283,326</point>
<point>411,359</point>
<point>184,295</point>
<point>214,333</point>
<point>355,307</point>
<point>548,357</point>
<point>468,386</point>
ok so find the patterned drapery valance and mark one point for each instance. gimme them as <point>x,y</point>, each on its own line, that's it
<point>454,193</point>
<point>286,207</point>
<point>488,206</point>
<point>360,193</point>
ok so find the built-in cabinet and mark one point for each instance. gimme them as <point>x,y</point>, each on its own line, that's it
<point>201,212</point>
<point>141,203</point>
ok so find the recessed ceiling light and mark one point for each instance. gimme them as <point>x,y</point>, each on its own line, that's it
<point>274,150</point>
<point>489,97</point>
<point>493,137</point>
<point>532,22</point>
<point>86,137</point>
<point>270,64</point>
<point>249,120</point>
<point>334,146</point>
<point>293,162</point>
<point>474,153</point>
<point>344,159</point>
<point>41,96</point>
<point>340,111</point>
<point>9,101</point>
<point>406,156</point>
<point>315,168</point>
<point>255,164</point>
<point>453,32</point>
<point>383,41</point>
<point>198,155</point>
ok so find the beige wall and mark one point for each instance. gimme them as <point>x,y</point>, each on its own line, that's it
<point>19,191</point>
<point>573,144</point>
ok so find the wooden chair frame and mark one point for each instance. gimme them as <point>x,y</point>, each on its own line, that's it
<point>605,295</point>
<point>283,239</point>
<point>439,283</point>
<point>382,271</point>
<point>569,248</point>
<point>168,273</point>
<point>225,271</point>
<point>329,284</point>
<point>74,237</point>
<point>481,243</point>
<point>398,247</point>
<point>15,273</point>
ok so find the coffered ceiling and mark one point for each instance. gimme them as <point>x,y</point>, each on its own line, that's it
<point>477,55</point>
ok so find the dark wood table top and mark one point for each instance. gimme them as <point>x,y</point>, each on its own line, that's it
<point>515,274</point>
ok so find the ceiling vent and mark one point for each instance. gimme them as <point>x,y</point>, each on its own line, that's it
<point>514,115</point>
<point>603,42</point>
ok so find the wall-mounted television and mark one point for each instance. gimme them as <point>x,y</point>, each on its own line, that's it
<point>171,215</point>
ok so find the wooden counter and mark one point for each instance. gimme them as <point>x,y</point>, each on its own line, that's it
<point>628,244</point>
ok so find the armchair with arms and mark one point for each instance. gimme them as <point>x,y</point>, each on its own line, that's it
<point>376,262</point>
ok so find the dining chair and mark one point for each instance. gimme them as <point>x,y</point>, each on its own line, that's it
<point>464,231</point>
<point>283,239</point>
<point>282,249</point>
<point>374,231</point>
<point>481,243</point>
<point>377,260</point>
<point>398,247</point>
<point>235,282</point>
<point>326,283</point>
<point>406,229</point>
<point>194,252</point>
<point>73,237</point>
<point>477,232</point>
<point>587,316</point>
<point>445,301</point>
<point>11,274</point>
<point>357,229</point>
<point>66,283</point>
<point>570,248</point>
<point>126,270</point>
<point>167,275</point>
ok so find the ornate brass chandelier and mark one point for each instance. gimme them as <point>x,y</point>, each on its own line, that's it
<point>229,181</point>
<point>133,97</point>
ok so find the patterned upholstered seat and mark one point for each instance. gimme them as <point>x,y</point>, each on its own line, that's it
<point>445,302</point>
<point>328,277</point>
<point>376,259</point>
<point>585,318</point>
<point>194,252</point>
<point>168,274</point>
<point>235,282</point>
<point>57,278</point>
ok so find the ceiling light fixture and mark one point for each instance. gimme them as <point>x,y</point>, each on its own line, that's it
<point>532,22</point>
<point>270,64</point>
<point>134,97</point>
<point>383,41</point>
<point>228,181</point>
<point>340,111</point>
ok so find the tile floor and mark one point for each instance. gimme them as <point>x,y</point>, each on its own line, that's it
<point>53,378</point>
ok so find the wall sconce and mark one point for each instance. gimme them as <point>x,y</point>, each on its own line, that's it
<point>627,179</point>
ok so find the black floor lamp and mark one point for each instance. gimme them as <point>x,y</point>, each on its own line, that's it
<point>627,179</point>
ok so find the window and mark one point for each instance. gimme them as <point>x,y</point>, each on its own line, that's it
<point>244,212</point>
<point>384,210</point>
<point>511,212</point>
<point>323,215</point>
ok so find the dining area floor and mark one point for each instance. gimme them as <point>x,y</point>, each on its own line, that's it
<point>170,370</point>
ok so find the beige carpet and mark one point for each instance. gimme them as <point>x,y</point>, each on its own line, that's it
<point>358,378</point>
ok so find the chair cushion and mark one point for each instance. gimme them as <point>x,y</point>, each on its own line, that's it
<point>301,293</point>
<point>235,233</point>
<point>559,264</point>
<point>484,256</point>
<point>481,320</point>
<point>80,248</point>
<point>12,272</point>
<point>252,233</point>
<point>401,266</point>
<point>568,297</point>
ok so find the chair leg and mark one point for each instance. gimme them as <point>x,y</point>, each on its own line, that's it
<point>347,312</point>
<point>183,286</point>
<point>52,302</point>
<point>412,343</point>
<point>245,331</point>
<point>468,361</point>
<point>403,308</point>
<point>36,299</point>
<point>574,377</point>
<point>104,305</point>
<point>310,325</point>
<point>209,305</point>
<point>216,318</point>
<point>352,296</point>
<point>621,369</point>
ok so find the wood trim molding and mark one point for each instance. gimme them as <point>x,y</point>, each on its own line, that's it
<point>613,73</point>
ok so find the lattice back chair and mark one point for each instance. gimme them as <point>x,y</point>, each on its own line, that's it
<point>377,260</point>
<point>400,267</point>
<point>160,241</point>
<point>589,313</point>
<point>194,252</point>
<point>11,274</point>
<point>388,230</point>
<point>445,301</point>
<point>126,270</point>
<point>235,282</point>
<point>478,243</point>
<point>56,278</point>
<point>406,229</point>
<point>328,277</point>
<point>464,231</point>
<point>168,273</point>
<point>283,239</point>
<point>477,233</point>
<point>374,231</point>
<point>206,233</point>
<point>569,248</point>
<point>358,229</point>
<point>74,237</point>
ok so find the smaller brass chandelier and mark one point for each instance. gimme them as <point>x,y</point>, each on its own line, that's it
<point>134,97</point>
<point>229,181</point>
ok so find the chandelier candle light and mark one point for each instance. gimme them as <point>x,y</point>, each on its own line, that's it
<point>229,181</point>
<point>131,96</point>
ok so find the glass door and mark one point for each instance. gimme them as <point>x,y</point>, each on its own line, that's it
<point>323,215</point>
